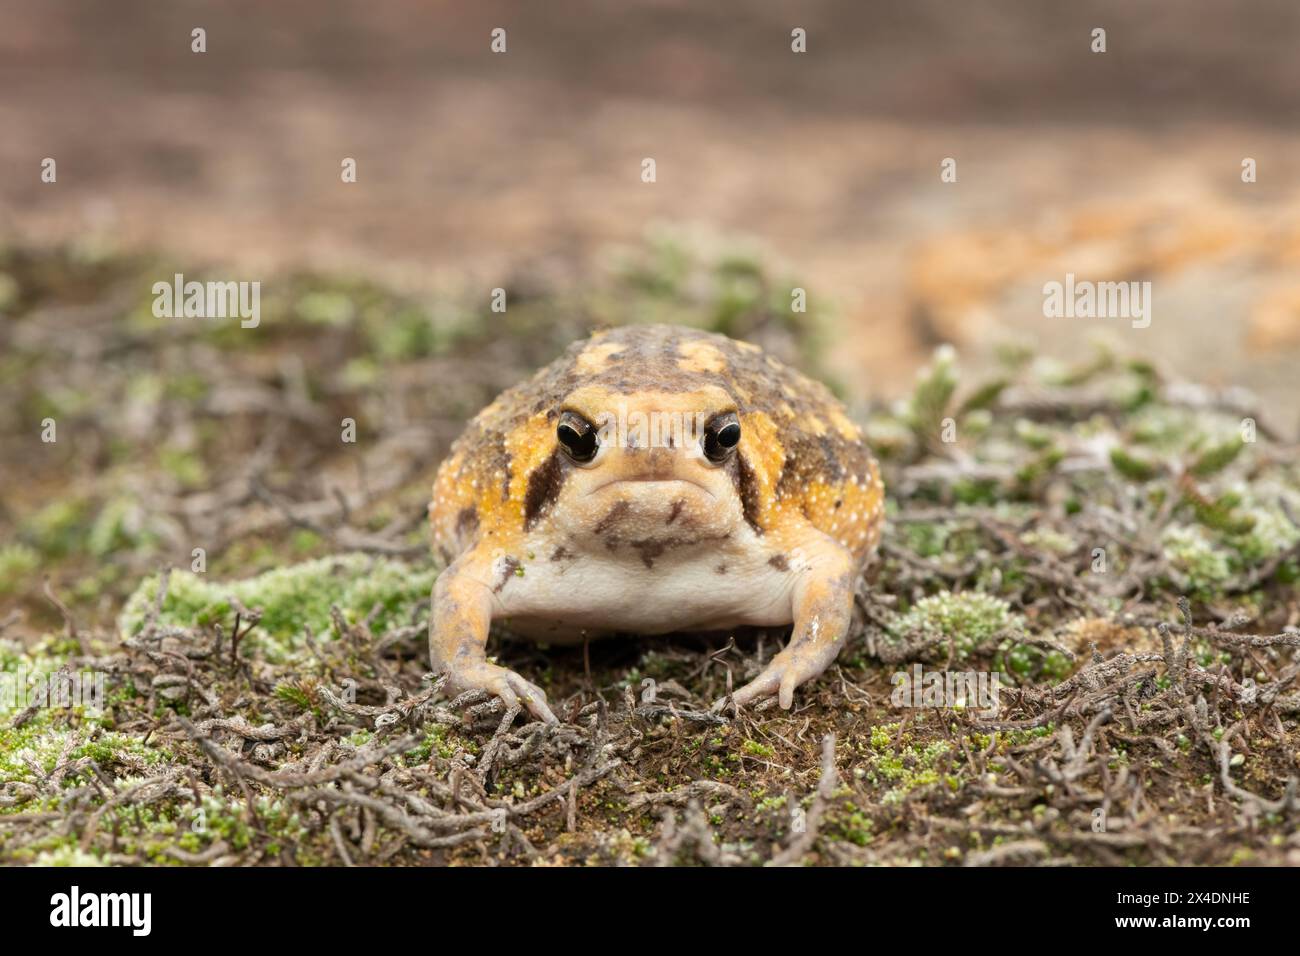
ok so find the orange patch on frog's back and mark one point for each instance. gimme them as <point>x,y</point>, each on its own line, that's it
<point>695,355</point>
<point>595,357</point>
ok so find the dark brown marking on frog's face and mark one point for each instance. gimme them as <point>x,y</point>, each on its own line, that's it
<point>720,569</point>
<point>615,513</point>
<point>779,562</point>
<point>676,510</point>
<point>544,486</point>
<point>747,489</point>
<point>649,550</point>
<point>560,553</point>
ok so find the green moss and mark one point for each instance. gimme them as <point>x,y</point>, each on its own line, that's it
<point>936,384</point>
<point>18,563</point>
<point>298,694</point>
<point>1050,540</point>
<point>292,599</point>
<point>888,437</point>
<point>113,527</point>
<point>984,397</point>
<point>1221,513</point>
<point>407,334</point>
<point>112,750</point>
<point>927,538</point>
<point>67,855</point>
<point>185,466</point>
<point>982,492</point>
<point>900,765</point>
<point>305,541</point>
<point>1028,663</point>
<point>43,740</point>
<point>771,804</point>
<point>972,619</point>
<point>9,291</point>
<point>1270,533</point>
<point>441,740</point>
<point>1216,458</point>
<point>1132,466</point>
<point>1190,550</point>
<point>850,824</point>
<point>58,527</point>
<point>327,307</point>
<point>1039,467</point>
<point>1032,435</point>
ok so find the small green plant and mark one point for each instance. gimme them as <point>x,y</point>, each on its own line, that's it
<point>972,619</point>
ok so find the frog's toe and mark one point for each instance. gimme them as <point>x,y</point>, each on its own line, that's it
<point>779,679</point>
<point>533,697</point>
<point>502,682</point>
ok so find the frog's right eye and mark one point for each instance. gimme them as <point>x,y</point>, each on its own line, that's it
<point>577,436</point>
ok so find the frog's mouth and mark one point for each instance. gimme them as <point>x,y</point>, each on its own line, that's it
<point>665,485</point>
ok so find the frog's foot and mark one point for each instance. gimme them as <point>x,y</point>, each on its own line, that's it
<point>823,610</point>
<point>502,682</point>
<point>787,670</point>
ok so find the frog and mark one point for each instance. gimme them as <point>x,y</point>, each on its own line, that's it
<point>653,479</point>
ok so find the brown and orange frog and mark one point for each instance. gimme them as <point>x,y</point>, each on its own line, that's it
<point>653,479</point>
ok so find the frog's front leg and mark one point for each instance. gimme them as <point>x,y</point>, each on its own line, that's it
<point>822,599</point>
<point>458,635</point>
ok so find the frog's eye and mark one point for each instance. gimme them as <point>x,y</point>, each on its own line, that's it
<point>577,436</point>
<point>721,436</point>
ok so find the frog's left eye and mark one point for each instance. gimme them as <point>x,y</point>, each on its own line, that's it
<point>721,436</point>
<point>578,437</point>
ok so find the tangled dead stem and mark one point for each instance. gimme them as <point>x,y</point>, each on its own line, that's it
<point>1100,535</point>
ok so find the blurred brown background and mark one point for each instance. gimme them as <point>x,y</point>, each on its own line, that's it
<point>1123,165</point>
